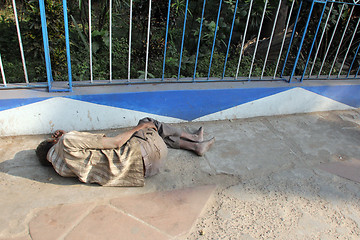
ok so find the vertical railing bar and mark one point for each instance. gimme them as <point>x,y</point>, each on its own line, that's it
<point>130,32</point>
<point>347,52</point>
<point>231,32</point>
<point>321,38</point>
<point>183,37</point>
<point>90,45</point>
<point>148,42</point>
<point>110,40</point>
<point>166,39</point>
<point>46,43</point>
<point>66,25</point>
<point>342,38</point>
<point>284,38</point>
<point>271,38</point>
<point>2,71</point>
<point>357,72</point>
<point>257,39</point>
<point>213,46</point>
<point>291,39</point>
<point>198,45</point>
<point>331,39</point>
<point>352,63</point>
<point>20,42</point>
<point>313,43</point>
<point>301,42</point>
<point>243,41</point>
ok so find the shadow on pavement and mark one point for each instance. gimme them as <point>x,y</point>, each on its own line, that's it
<point>25,165</point>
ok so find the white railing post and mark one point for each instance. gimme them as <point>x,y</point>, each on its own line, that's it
<point>2,72</point>
<point>20,43</point>
<point>130,30</point>
<point>110,40</point>
<point>148,42</point>
<point>90,44</point>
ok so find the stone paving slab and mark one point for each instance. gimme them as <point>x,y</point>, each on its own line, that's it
<point>106,223</point>
<point>266,172</point>
<point>54,223</point>
<point>151,216</point>
<point>173,212</point>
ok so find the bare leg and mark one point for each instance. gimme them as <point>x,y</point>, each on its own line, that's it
<point>199,148</point>
<point>198,136</point>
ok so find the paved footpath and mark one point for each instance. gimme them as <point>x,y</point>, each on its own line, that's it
<point>284,177</point>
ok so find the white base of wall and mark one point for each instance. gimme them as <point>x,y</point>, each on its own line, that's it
<point>296,100</point>
<point>67,113</point>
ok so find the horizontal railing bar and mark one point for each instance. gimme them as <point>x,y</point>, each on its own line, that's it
<point>356,4</point>
<point>174,80</point>
<point>328,79</point>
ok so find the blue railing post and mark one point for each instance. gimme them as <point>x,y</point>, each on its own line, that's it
<point>47,48</point>
<point>199,40</point>
<point>66,25</point>
<point>291,39</point>
<point>231,32</point>
<point>213,46</point>
<point>313,43</point>
<point>166,40</point>
<point>302,41</point>
<point>46,43</point>
<point>352,63</point>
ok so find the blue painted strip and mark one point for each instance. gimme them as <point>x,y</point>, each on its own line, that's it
<point>6,104</point>
<point>231,32</point>
<point>183,37</point>
<point>166,40</point>
<point>198,46</point>
<point>347,94</point>
<point>313,43</point>
<point>291,39</point>
<point>191,104</point>
<point>301,42</point>
<point>186,104</point>
<point>213,46</point>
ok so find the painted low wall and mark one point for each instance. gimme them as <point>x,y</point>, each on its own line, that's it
<point>28,112</point>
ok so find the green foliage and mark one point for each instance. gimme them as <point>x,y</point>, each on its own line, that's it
<point>30,25</point>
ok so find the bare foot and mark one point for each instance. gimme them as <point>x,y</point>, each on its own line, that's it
<point>199,135</point>
<point>196,137</point>
<point>203,147</point>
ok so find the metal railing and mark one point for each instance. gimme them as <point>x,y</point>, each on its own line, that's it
<point>304,47</point>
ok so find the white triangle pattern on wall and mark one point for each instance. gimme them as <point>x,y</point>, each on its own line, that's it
<point>68,114</point>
